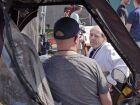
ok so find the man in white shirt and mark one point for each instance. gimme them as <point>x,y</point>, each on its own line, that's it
<point>107,58</point>
<point>105,55</point>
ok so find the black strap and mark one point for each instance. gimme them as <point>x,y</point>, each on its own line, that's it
<point>14,57</point>
<point>91,53</point>
<point>95,51</point>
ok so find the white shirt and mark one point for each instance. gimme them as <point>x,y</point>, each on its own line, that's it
<point>109,59</point>
<point>76,17</point>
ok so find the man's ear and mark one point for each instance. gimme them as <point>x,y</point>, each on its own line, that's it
<point>76,39</point>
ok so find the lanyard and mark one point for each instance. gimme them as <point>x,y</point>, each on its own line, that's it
<point>96,51</point>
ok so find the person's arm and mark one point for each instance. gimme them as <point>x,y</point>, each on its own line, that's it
<point>106,99</point>
<point>128,26</point>
<point>123,19</point>
<point>131,20</point>
<point>103,89</point>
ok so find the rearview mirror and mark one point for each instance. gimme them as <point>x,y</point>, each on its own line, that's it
<point>119,76</point>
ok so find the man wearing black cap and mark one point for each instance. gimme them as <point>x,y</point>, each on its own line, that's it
<point>73,78</point>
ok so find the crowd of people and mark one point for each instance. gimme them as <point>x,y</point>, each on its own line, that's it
<point>132,19</point>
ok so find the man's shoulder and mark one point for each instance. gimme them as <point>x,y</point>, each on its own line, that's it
<point>74,14</point>
<point>121,6</point>
<point>107,46</point>
<point>111,51</point>
<point>86,60</point>
<point>136,11</point>
<point>80,59</point>
<point>120,9</point>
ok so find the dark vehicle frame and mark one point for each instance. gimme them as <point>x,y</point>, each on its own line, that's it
<point>100,10</point>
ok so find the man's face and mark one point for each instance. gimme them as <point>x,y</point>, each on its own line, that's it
<point>127,2</point>
<point>96,38</point>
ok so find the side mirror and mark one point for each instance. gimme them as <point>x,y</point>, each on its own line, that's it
<point>119,75</point>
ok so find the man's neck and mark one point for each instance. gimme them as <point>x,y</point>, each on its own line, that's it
<point>66,52</point>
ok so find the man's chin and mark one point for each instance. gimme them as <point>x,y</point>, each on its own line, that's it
<point>94,47</point>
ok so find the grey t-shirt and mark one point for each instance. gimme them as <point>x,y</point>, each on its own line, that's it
<point>75,80</point>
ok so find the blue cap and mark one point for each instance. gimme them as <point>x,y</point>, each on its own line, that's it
<point>66,28</point>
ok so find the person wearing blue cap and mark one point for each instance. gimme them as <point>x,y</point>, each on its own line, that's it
<point>74,79</point>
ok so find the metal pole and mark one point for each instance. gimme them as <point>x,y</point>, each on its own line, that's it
<point>43,20</point>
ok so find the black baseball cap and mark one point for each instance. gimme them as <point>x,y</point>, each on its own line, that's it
<point>66,28</point>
